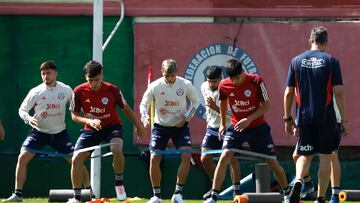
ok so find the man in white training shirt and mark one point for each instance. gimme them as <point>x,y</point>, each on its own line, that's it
<point>211,141</point>
<point>170,93</point>
<point>49,101</point>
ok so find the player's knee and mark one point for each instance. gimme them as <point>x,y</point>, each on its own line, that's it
<point>116,151</point>
<point>155,160</point>
<point>77,160</point>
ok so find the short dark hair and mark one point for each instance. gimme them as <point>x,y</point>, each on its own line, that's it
<point>319,35</point>
<point>214,72</point>
<point>48,65</point>
<point>169,66</point>
<point>92,69</point>
<point>233,67</point>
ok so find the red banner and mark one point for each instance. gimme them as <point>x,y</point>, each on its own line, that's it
<point>265,48</point>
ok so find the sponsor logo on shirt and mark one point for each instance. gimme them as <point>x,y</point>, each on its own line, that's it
<point>96,110</point>
<point>87,100</point>
<point>171,103</point>
<point>61,96</point>
<point>179,92</point>
<point>313,63</point>
<point>162,93</point>
<point>242,103</point>
<point>52,106</point>
<point>43,98</point>
<point>231,94</point>
<point>105,100</point>
<point>163,111</point>
<point>214,54</point>
<point>91,116</point>
<point>44,115</point>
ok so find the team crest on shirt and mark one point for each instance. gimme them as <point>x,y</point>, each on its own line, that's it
<point>215,54</point>
<point>247,93</point>
<point>61,96</point>
<point>105,100</point>
<point>179,92</point>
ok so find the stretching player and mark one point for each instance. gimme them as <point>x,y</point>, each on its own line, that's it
<point>209,90</point>
<point>170,93</point>
<point>49,101</point>
<point>248,99</point>
<point>98,100</point>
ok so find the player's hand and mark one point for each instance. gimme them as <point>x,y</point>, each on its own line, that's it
<point>221,132</point>
<point>181,122</point>
<point>95,123</point>
<point>146,122</point>
<point>290,128</point>
<point>140,131</point>
<point>34,121</point>
<point>210,102</point>
<point>242,124</point>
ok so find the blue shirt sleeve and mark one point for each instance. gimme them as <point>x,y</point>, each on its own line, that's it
<point>290,82</point>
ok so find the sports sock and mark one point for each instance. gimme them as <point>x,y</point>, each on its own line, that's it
<point>119,179</point>
<point>214,194</point>
<point>178,188</point>
<point>77,193</point>
<point>157,192</point>
<point>18,192</point>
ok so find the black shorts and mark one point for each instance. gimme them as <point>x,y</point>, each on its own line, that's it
<point>160,136</point>
<point>89,138</point>
<point>315,139</point>
<point>259,138</point>
<point>211,139</point>
<point>37,140</point>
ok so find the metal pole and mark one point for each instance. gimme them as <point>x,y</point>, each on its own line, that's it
<point>95,168</point>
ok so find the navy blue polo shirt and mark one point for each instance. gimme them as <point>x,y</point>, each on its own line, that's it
<point>313,73</point>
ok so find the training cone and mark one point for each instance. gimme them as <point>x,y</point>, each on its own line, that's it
<point>241,199</point>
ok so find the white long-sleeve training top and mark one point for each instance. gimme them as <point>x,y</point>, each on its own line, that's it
<point>170,101</point>
<point>212,117</point>
<point>49,105</point>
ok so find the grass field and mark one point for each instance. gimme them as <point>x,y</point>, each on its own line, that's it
<point>45,200</point>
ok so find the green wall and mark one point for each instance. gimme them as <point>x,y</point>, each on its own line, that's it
<point>27,41</point>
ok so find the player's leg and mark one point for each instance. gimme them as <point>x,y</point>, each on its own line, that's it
<point>261,142</point>
<point>308,186</point>
<point>158,141</point>
<point>35,140</point>
<point>235,175</point>
<point>335,176</point>
<point>230,141</point>
<point>182,141</point>
<point>113,134</point>
<point>77,172</point>
<point>208,163</point>
<point>305,149</point>
<point>210,142</point>
<point>88,138</point>
<point>61,142</point>
<point>326,143</point>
